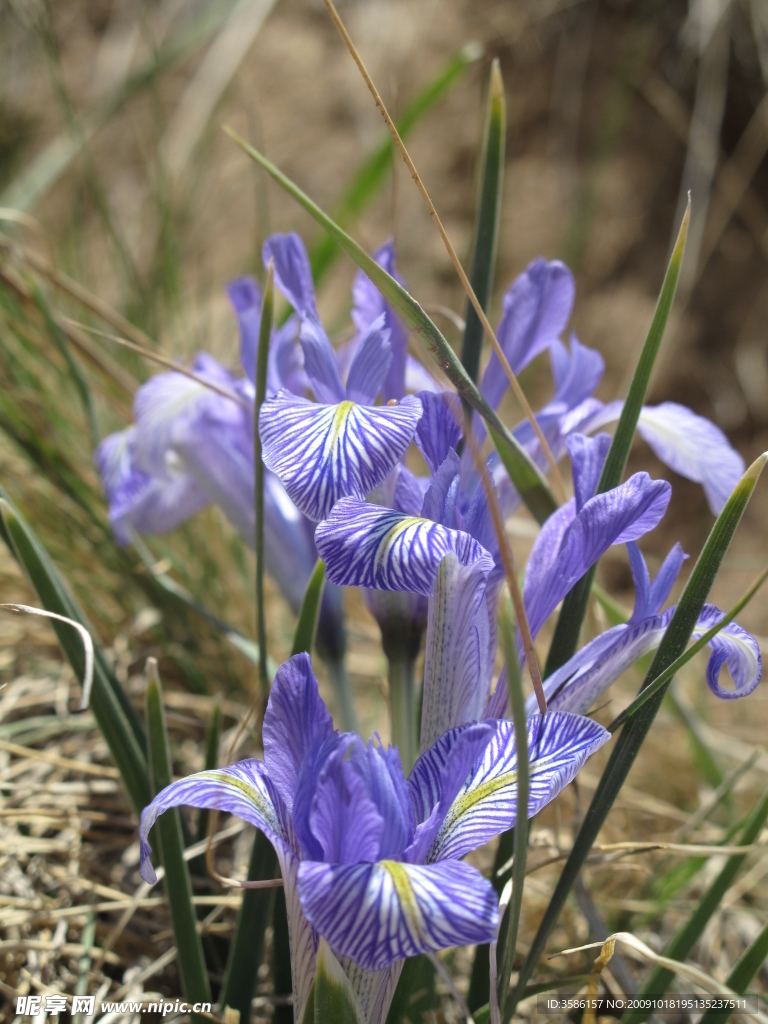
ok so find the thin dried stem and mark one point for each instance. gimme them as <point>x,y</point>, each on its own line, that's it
<point>155,357</point>
<point>514,384</point>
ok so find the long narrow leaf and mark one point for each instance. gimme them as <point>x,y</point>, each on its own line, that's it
<point>114,714</point>
<point>367,180</point>
<point>262,361</point>
<point>575,604</point>
<point>487,223</point>
<point>194,976</point>
<point>252,920</point>
<point>306,625</point>
<point>525,475</point>
<point>673,643</point>
<point>746,968</point>
<point>517,705</point>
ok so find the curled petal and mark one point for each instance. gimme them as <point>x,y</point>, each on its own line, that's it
<point>242,789</point>
<point>378,913</point>
<point>733,647</point>
<point>326,452</point>
<point>694,447</point>
<point>558,746</point>
<point>365,545</point>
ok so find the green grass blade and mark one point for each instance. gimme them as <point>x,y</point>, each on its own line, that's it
<point>178,888</point>
<point>370,176</point>
<point>746,968</point>
<point>252,920</point>
<point>520,848</point>
<point>673,643</point>
<point>525,475</point>
<point>574,607</point>
<point>684,941</point>
<point>262,360</point>
<point>111,708</point>
<point>310,609</point>
<point>487,223</point>
<point>415,992</point>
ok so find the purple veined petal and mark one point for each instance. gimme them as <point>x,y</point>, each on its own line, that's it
<point>734,647</point>
<point>536,310</point>
<point>558,746</point>
<point>370,364</point>
<point>382,771</point>
<point>588,456</point>
<point>442,494</point>
<point>286,360</point>
<point>365,545</point>
<point>564,550</point>
<point>326,452</point>
<point>146,503</point>
<point>439,430</point>
<point>694,447</point>
<point>376,914</point>
<point>293,275</point>
<point>368,305</point>
<point>409,491</point>
<point>457,664</point>
<point>576,373</point>
<point>296,720</point>
<point>666,576</point>
<point>436,778</point>
<point>243,789</point>
<point>343,816</point>
<point>320,362</point>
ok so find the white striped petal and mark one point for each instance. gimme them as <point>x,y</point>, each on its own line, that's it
<point>376,914</point>
<point>242,789</point>
<point>558,745</point>
<point>366,545</point>
<point>326,452</point>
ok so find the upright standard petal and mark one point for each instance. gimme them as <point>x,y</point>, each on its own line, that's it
<point>694,447</point>
<point>440,427</point>
<point>295,719</point>
<point>368,305</point>
<point>376,914</point>
<point>558,746</point>
<point>370,363</point>
<point>242,789</point>
<point>293,274</point>
<point>536,310</point>
<point>365,545</point>
<point>326,452</point>
<point>343,816</point>
<point>457,664</point>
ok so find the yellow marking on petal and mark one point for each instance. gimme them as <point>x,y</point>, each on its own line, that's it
<point>391,536</point>
<point>402,886</point>
<point>259,802</point>
<point>340,417</point>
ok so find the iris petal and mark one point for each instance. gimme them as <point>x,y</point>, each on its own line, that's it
<point>378,913</point>
<point>326,452</point>
<point>365,545</point>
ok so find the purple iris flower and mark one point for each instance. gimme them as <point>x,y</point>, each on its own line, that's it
<point>579,684</point>
<point>192,446</point>
<point>341,444</point>
<point>371,862</point>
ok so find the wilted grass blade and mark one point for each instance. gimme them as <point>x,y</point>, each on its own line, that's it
<point>369,177</point>
<point>525,475</point>
<point>673,643</point>
<point>262,361</point>
<point>574,606</point>
<point>115,715</point>
<point>252,920</point>
<point>520,847</point>
<point>487,223</point>
<point>687,937</point>
<point>178,888</point>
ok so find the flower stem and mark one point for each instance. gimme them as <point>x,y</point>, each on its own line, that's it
<point>402,708</point>
<point>342,693</point>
